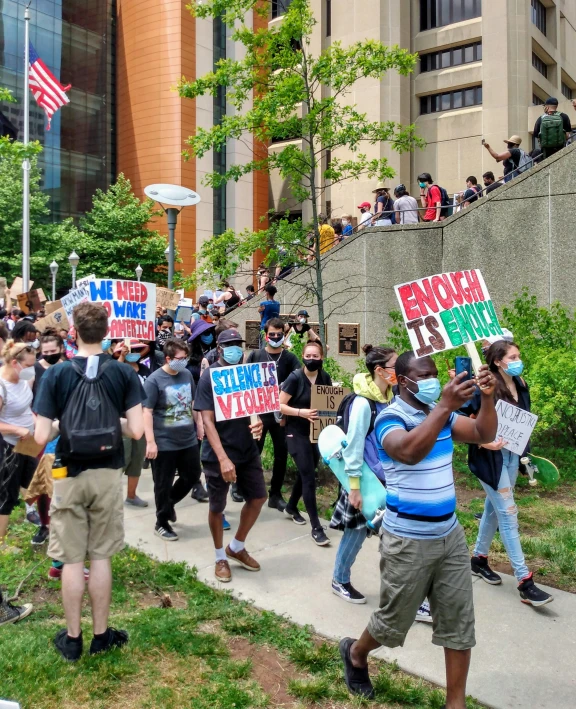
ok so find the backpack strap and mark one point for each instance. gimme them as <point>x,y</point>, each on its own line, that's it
<point>3,394</point>
<point>373,414</point>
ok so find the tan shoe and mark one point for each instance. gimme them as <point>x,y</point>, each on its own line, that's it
<point>243,558</point>
<point>222,571</point>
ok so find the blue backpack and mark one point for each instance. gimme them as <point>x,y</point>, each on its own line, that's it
<point>371,457</point>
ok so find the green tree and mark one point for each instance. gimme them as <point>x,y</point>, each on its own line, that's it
<point>299,94</point>
<point>116,237</point>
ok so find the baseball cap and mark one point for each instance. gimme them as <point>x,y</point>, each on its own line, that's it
<point>203,300</point>
<point>551,101</point>
<point>516,139</point>
<point>230,335</point>
<point>364,205</point>
<point>303,313</point>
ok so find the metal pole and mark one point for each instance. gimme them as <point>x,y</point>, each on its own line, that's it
<point>172,216</point>
<point>26,162</point>
<point>53,287</point>
<point>73,276</point>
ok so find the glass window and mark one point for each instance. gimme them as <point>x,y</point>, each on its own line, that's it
<point>539,65</point>
<point>446,102</point>
<point>451,57</point>
<point>469,53</point>
<point>469,97</point>
<point>539,15</point>
<point>537,101</point>
<point>478,48</point>
<point>438,13</point>
<point>457,56</point>
<point>279,7</point>
<point>567,91</point>
<point>446,60</point>
<point>451,100</point>
<point>457,99</point>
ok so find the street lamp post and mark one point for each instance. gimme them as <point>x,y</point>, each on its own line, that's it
<point>139,272</point>
<point>53,271</point>
<point>176,197</point>
<point>74,260</point>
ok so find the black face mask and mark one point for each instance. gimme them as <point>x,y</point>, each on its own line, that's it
<point>313,365</point>
<point>52,358</point>
<point>276,337</point>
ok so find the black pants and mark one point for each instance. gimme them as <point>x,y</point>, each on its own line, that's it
<point>185,462</point>
<point>278,436</point>
<point>551,151</point>
<point>306,456</point>
<point>16,471</point>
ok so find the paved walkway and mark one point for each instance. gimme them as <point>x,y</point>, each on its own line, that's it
<point>524,657</point>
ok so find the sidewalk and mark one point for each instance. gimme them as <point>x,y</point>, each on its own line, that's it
<point>523,658</point>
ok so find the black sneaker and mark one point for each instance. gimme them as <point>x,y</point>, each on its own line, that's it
<point>199,493</point>
<point>277,502</point>
<point>347,592</point>
<point>319,536</point>
<point>69,648</point>
<point>296,517</point>
<point>40,537</point>
<point>357,678</point>
<point>166,533</point>
<point>234,494</point>
<point>532,595</point>
<point>10,613</point>
<point>479,566</point>
<point>112,638</point>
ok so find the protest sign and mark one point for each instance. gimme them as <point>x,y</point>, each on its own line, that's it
<point>51,307</point>
<point>326,399</point>
<point>3,286</point>
<point>57,320</point>
<point>29,302</point>
<point>42,297</point>
<point>447,310</point>
<point>168,299</point>
<point>183,313</point>
<point>245,389</point>
<point>85,281</point>
<point>131,307</point>
<point>17,287</point>
<point>74,297</point>
<point>515,426</point>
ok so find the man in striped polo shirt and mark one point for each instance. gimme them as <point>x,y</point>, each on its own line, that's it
<point>423,549</point>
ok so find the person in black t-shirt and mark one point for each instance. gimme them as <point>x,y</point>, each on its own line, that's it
<point>286,363</point>
<point>301,327</point>
<point>295,399</point>
<point>490,183</point>
<point>510,158</point>
<point>471,193</point>
<point>230,454</point>
<point>86,513</point>
<point>550,108</point>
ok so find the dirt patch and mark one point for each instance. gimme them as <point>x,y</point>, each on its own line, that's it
<point>150,599</point>
<point>465,496</point>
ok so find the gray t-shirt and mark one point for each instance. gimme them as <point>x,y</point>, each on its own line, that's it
<point>171,397</point>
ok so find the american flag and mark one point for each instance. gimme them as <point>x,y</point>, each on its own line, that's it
<point>48,91</point>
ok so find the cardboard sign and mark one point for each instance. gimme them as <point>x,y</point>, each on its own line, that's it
<point>447,310</point>
<point>74,297</point>
<point>28,446</point>
<point>58,320</point>
<point>131,307</point>
<point>51,307</point>
<point>183,313</point>
<point>168,299</point>
<point>515,426</point>
<point>41,295</point>
<point>17,287</point>
<point>349,339</point>
<point>245,389</point>
<point>326,399</point>
<point>29,302</point>
<point>80,282</point>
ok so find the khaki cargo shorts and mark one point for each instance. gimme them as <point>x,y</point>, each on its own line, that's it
<point>87,516</point>
<point>414,569</point>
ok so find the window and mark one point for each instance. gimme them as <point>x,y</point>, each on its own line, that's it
<point>438,13</point>
<point>279,7</point>
<point>539,65</point>
<point>539,15</point>
<point>451,57</point>
<point>567,91</point>
<point>537,101</point>
<point>328,18</point>
<point>447,101</point>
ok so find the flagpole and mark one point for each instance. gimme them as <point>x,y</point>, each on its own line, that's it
<point>26,161</point>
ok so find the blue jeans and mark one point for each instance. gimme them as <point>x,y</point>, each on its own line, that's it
<point>500,511</point>
<point>350,545</point>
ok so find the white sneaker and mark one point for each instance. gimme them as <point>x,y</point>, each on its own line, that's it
<point>423,614</point>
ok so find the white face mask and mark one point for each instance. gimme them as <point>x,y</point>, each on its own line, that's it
<point>302,321</point>
<point>345,222</point>
<point>35,344</point>
<point>26,374</point>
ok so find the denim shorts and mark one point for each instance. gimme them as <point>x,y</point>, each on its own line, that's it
<point>414,569</point>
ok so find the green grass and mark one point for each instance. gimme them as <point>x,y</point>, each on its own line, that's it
<point>177,657</point>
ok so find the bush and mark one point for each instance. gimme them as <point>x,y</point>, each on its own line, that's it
<point>552,379</point>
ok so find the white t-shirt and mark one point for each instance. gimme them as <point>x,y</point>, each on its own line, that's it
<point>365,217</point>
<point>408,208</point>
<point>16,411</point>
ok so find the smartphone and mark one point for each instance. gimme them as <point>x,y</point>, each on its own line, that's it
<point>464,364</point>
<point>483,141</point>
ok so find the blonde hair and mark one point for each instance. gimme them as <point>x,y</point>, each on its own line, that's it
<point>14,350</point>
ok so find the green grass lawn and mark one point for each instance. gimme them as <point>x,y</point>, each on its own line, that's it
<point>206,651</point>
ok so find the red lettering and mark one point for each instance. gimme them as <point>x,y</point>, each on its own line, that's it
<point>475,286</point>
<point>425,298</point>
<point>455,293</point>
<point>249,402</point>
<point>226,408</point>
<point>130,290</point>
<point>408,302</point>
<point>240,413</point>
<point>444,297</point>
<point>260,397</point>
<point>457,281</point>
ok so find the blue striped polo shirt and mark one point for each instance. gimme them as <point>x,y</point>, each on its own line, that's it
<point>420,499</point>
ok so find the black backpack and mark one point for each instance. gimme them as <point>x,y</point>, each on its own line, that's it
<point>90,425</point>
<point>446,209</point>
<point>343,413</point>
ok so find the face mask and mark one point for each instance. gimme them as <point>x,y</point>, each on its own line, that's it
<point>428,390</point>
<point>206,339</point>
<point>275,340</point>
<point>178,365</point>
<point>210,307</point>
<point>52,358</point>
<point>26,374</point>
<point>390,377</point>
<point>345,222</point>
<point>232,354</point>
<point>35,344</point>
<point>302,321</point>
<point>106,344</point>
<point>312,365</point>
<point>515,369</point>
<point>422,184</point>
<point>132,357</point>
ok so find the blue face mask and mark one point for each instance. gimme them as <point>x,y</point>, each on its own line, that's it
<point>232,354</point>
<point>428,390</point>
<point>422,184</point>
<point>178,365</point>
<point>210,307</point>
<point>515,369</point>
<point>106,344</point>
<point>206,339</point>
<point>132,357</point>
